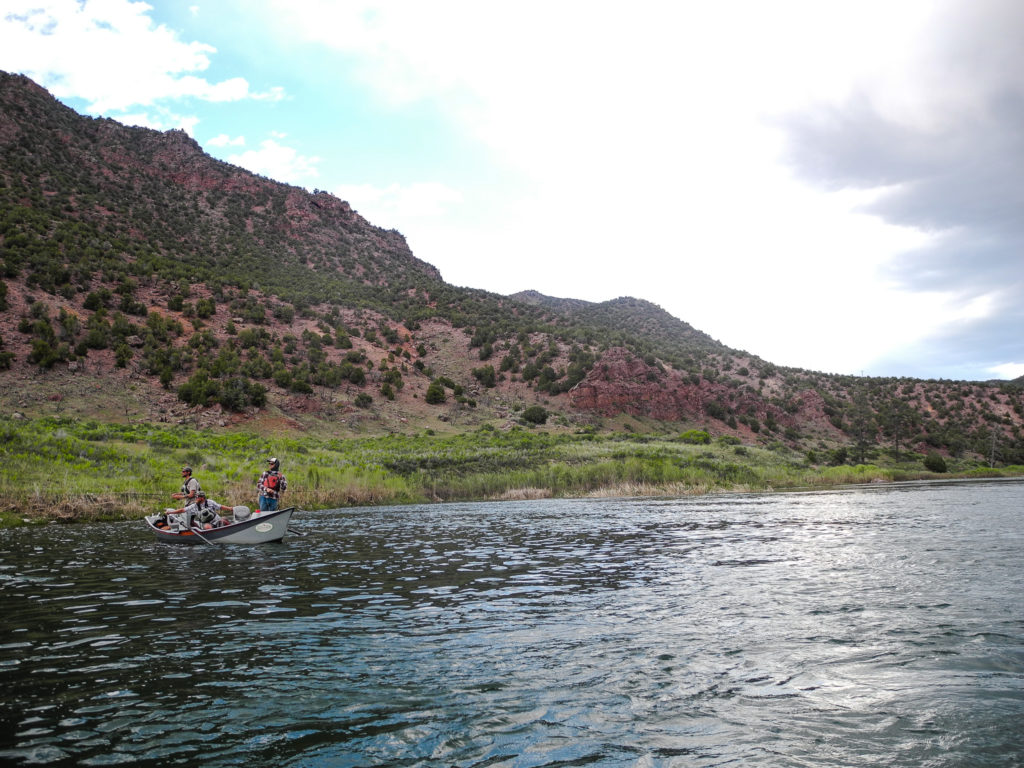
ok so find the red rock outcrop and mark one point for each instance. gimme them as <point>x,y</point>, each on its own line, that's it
<point>620,382</point>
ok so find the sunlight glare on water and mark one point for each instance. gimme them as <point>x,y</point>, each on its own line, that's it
<point>879,626</point>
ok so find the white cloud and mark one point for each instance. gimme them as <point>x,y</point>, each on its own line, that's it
<point>223,140</point>
<point>109,53</point>
<point>397,202</point>
<point>276,93</point>
<point>1008,370</point>
<point>142,120</point>
<point>278,162</point>
<point>649,150</point>
<point>645,144</point>
<point>163,120</point>
<point>234,89</point>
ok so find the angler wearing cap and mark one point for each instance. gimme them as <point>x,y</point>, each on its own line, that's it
<point>201,514</point>
<point>189,487</point>
<point>270,486</point>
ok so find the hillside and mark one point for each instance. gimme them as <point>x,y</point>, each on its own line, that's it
<point>141,279</point>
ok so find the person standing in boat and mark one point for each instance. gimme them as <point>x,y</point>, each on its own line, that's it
<point>203,513</point>
<point>270,486</point>
<point>189,487</point>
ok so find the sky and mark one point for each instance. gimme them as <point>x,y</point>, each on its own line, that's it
<point>828,185</point>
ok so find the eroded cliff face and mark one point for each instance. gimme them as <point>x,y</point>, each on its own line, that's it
<point>621,382</point>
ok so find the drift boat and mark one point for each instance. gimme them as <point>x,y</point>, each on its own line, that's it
<point>244,528</point>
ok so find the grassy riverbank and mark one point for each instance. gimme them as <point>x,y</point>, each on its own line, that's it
<point>67,470</point>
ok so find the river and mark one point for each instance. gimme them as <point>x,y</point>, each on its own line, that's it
<point>865,627</point>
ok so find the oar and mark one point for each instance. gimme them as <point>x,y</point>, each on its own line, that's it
<point>197,533</point>
<point>292,530</point>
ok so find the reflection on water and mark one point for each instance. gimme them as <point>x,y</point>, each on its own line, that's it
<point>867,627</point>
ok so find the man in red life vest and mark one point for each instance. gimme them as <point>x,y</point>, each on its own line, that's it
<point>270,486</point>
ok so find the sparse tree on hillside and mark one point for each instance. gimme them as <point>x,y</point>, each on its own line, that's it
<point>862,426</point>
<point>898,421</point>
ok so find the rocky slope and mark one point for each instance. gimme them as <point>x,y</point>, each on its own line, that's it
<point>142,279</point>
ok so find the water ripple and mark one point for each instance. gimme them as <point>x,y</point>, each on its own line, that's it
<point>875,627</point>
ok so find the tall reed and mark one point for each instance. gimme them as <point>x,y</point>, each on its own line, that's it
<point>71,470</point>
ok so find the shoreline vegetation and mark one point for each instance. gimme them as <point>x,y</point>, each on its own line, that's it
<point>65,470</point>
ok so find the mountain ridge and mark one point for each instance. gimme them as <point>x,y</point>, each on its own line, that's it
<point>227,298</point>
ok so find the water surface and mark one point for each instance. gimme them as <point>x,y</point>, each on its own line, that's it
<point>878,626</point>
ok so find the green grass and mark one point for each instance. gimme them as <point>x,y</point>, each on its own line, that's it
<point>67,469</point>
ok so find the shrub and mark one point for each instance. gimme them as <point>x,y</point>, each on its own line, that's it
<point>838,456</point>
<point>234,394</point>
<point>199,390</point>
<point>282,377</point>
<point>257,394</point>
<point>43,353</point>
<point>97,299</point>
<point>935,463</point>
<point>394,378</point>
<point>435,393</point>
<point>485,375</point>
<point>695,437</point>
<point>301,385</point>
<point>122,355</point>
<point>354,374</point>
<point>535,414</point>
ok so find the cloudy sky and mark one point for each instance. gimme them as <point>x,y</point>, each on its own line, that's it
<point>831,185</point>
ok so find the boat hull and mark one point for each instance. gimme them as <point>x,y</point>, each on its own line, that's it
<point>259,529</point>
